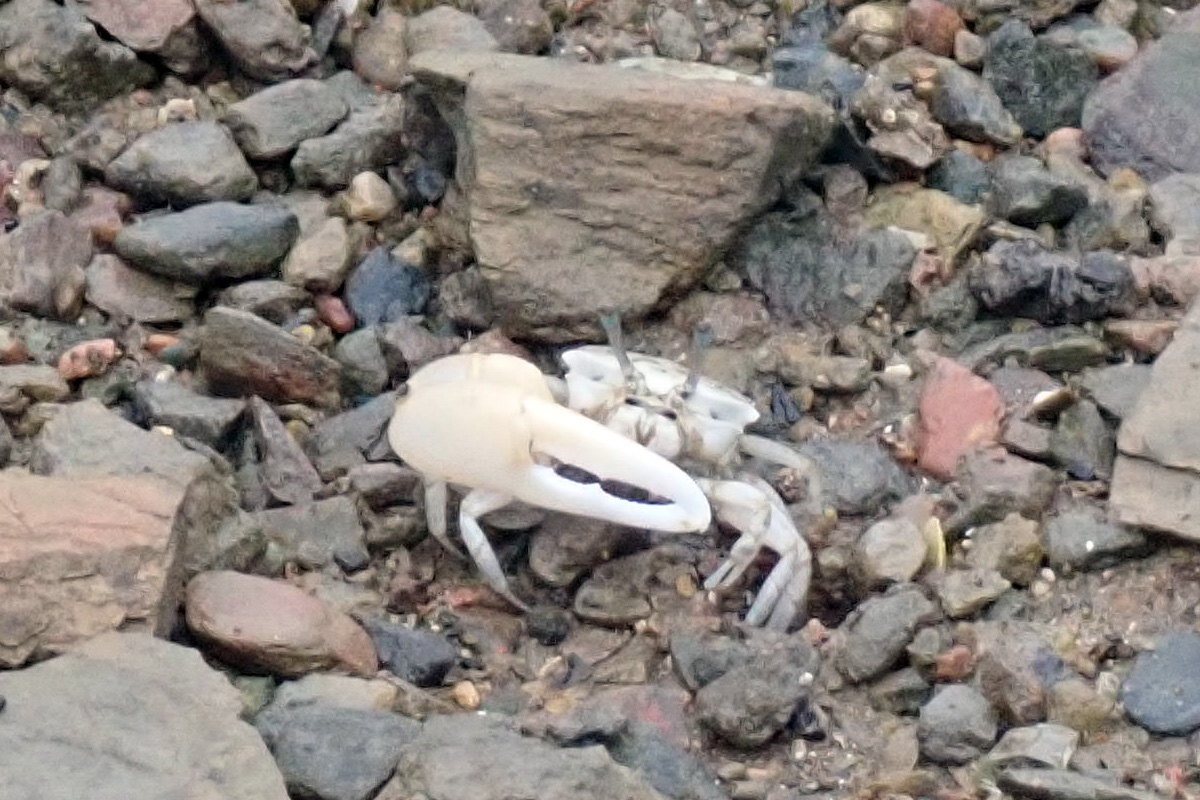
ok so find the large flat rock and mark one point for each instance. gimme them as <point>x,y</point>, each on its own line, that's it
<point>129,716</point>
<point>1156,479</point>
<point>593,189</point>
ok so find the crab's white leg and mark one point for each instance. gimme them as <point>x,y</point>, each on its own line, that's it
<point>477,503</point>
<point>436,498</point>
<point>752,507</point>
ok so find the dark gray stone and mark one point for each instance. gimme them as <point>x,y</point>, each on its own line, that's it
<point>1161,693</point>
<point>212,242</point>
<point>420,657</point>
<point>53,54</point>
<point>183,164</point>
<point>287,474</point>
<point>1116,389</point>
<point>351,438</point>
<point>364,369</point>
<point>859,477</point>
<point>968,107</point>
<point>962,176</point>
<point>335,753</point>
<point>273,300</point>
<point>1025,192</point>
<point>314,535</point>
<point>1084,539</point>
<point>1044,84</point>
<point>1083,443</point>
<point>383,289</point>
<point>956,726</point>
<point>264,37</point>
<point>210,420</point>
<point>370,138</point>
<point>273,122</point>
<point>880,628</point>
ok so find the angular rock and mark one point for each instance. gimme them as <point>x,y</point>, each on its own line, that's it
<point>1082,539</point>
<point>994,484</point>
<point>383,289</point>
<point>126,293</point>
<point>53,54</point>
<point>264,37</point>
<point>258,623</point>
<point>315,535</point>
<point>1044,84</point>
<point>962,176</point>
<point>880,628</point>
<point>288,476</point>
<point>274,301</point>
<point>335,753</point>
<point>364,368</point>
<point>321,257</point>
<point>890,551</point>
<point>164,29</point>
<point>963,592</point>
<point>859,477</point>
<point>574,251</point>
<point>127,715</point>
<point>1174,210</point>
<point>446,761</point>
<point>1026,193</point>
<point>42,265</point>
<point>210,420</point>
<point>1015,669</point>
<point>82,556</point>
<point>956,726</point>
<point>273,122</point>
<point>949,226</point>
<point>1011,547</point>
<point>183,164</point>
<point>1083,443</point>
<point>369,138</point>
<point>213,242</point>
<point>956,413</point>
<point>1116,389</point>
<point>242,354</point>
<point>421,657</point>
<point>353,437</point>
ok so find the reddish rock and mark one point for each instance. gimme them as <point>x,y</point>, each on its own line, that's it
<point>1169,278</point>
<point>102,211</point>
<point>146,25</point>
<point>1145,337</point>
<point>957,412</point>
<point>42,263</point>
<point>956,664</point>
<point>12,348</point>
<point>156,343</point>
<point>79,557</point>
<point>932,25</point>
<point>333,312</point>
<point>258,623</point>
<point>88,359</point>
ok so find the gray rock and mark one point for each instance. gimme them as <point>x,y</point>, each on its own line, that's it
<point>1025,192</point>
<point>273,122</point>
<point>1083,443</point>
<point>364,369</point>
<point>518,26</point>
<point>1015,668</point>
<point>859,477</point>
<point>210,420</point>
<point>23,384</point>
<point>675,36</point>
<point>1011,547</point>
<point>901,692</point>
<point>383,485</point>
<point>421,657</point>
<point>994,484</point>
<point>1044,84</point>
<point>451,754</point>
<point>1145,116</point>
<point>445,28</point>
<point>963,592</point>
<point>880,628</point>
<point>321,258</point>
<point>274,301</point>
<point>699,659</point>
<point>383,289</point>
<point>1022,278</point>
<point>956,726</point>
<point>818,71</point>
<point>182,164</point>
<point>335,753</point>
<point>264,37</point>
<point>127,293</point>
<point>748,705</point>
<point>806,271</point>
<point>1065,785</point>
<point>211,242</point>
<point>352,438</point>
<point>1117,388</point>
<point>42,265</point>
<point>61,184</point>
<point>165,29</point>
<point>890,551</point>
<point>1161,693</point>
<point>969,107</point>
<point>1045,744</point>
<point>242,354</point>
<point>370,138</point>
<point>408,345</point>
<point>380,52</point>
<point>1083,538</point>
<point>314,535</point>
<point>53,54</point>
<point>962,176</point>
<point>127,715</point>
<point>1174,210</point>
<point>287,474</point>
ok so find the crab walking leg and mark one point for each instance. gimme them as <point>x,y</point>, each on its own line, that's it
<point>477,503</point>
<point>753,508</point>
<point>781,455</point>
<point>436,498</point>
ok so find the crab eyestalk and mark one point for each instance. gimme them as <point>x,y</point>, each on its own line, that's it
<point>701,340</point>
<point>634,382</point>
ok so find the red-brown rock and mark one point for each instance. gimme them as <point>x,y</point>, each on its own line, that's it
<point>932,24</point>
<point>957,412</point>
<point>259,623</point>
<point>1169,278</point>
<point>102,211</point>
<point>79,557</point>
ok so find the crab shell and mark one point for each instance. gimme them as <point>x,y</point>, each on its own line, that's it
<point>490,421</point>
<point>707,422</point>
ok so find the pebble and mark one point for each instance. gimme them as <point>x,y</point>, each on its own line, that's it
<point>880,628</point>
<point>381,289</point>
<point>1160,693</point>
<point>957,412</point>
<point>956,726</point>
<point>88,359</point>
<point>421,657</point>
<point>368,198</point>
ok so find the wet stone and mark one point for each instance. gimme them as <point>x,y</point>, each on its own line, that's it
<point>210,243</point>
<point>1083,538</point>
<point>880,628</point>
<point>956,726</point>
<point>383,289</point>
<point>183,164</point>
<point>420,657</point>
<point>1161,693</point>
<point>206,419</point>
<point>335,753</point>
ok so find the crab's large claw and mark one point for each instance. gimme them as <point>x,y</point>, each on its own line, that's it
<point>490,423</point>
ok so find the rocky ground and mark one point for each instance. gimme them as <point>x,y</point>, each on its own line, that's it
<point>949,248</point>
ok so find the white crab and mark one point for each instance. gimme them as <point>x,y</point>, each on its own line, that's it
<point>491,424</point>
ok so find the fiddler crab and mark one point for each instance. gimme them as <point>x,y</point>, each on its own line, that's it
<point>610,441</point>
